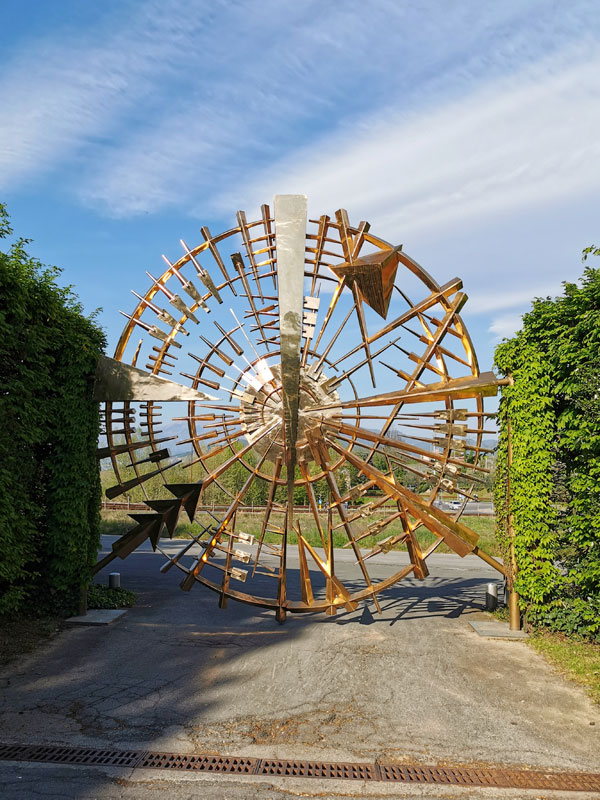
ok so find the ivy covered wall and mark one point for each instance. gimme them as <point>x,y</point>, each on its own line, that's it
<point>552,489</point>
<point>49,479</point>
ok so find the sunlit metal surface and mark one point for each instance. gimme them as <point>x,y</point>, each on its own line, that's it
<point>344,369</point>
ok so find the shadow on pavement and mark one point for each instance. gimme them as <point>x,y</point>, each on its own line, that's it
<point>411,599</point>
<point>150,680</point>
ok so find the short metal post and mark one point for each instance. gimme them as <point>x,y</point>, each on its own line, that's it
<point>491,597</point>
<point>114,580</point>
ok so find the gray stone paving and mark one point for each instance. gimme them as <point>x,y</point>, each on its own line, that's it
<point>416,683</point>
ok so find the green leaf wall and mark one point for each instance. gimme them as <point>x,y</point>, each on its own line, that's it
<point>49,479</point>
<point>553,489</point>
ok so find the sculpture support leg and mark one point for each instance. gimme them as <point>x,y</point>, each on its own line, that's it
<point>514,612</point>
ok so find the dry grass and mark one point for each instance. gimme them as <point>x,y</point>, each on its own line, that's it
<point>118,523</point>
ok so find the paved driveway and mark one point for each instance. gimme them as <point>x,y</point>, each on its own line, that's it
<point>177,674</point>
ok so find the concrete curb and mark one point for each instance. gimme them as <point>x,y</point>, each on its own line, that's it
<point>493,629</point>
<point>97,616</point>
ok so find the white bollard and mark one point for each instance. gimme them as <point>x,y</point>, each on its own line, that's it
<point>491,597</point>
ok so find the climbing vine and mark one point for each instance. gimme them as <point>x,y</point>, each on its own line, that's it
<point>525,489</point>
<point>552,488</point>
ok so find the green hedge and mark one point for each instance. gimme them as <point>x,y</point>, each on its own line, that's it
<point>554,410</point>
<point>49,480</point>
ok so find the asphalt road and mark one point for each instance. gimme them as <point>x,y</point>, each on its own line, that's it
<point>177,674</point>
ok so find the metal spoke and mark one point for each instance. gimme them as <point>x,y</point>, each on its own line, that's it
<point>276,404</point>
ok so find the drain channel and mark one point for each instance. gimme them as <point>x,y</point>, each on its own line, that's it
<point>238,765</point>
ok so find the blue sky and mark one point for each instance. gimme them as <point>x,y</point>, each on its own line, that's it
<point>466,130</point>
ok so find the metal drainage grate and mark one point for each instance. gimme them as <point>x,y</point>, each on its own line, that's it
<point>231,764</point>
<point>460,776</point>
<point>496,777</point>
<point>400,773</point>
<point>317,769</point>
<point>70,755</point>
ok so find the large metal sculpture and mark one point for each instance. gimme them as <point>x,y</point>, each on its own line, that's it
<point>306,351</point>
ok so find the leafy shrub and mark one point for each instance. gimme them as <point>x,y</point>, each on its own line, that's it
<point>572,616</point>
<point>100,596</point>
<point>552,489</point>
<point>49,482</point>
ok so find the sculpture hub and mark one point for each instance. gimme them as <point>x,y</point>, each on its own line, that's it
<point>262,408</point>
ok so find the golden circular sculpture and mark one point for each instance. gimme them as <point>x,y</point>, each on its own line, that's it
<point>316,361</point>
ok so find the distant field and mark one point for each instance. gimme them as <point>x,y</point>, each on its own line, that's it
<point>117,523</point>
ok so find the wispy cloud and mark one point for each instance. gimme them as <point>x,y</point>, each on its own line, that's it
<point>268,82</point>
<point>505,326</point>
<point>384,108</point>
<point>63,94</point>
<point>524,141</point>
<point>481,302</point>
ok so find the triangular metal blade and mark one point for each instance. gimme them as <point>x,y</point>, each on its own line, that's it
<point>169,509</point>
<point>151,525</point>
<point>189,494</point>
<point>117,382</point>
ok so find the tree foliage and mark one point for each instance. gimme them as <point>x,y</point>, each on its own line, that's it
<point>553,489</point>
<point>49,483</point>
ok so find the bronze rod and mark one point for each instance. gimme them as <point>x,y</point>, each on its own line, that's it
<point>513,598</point>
